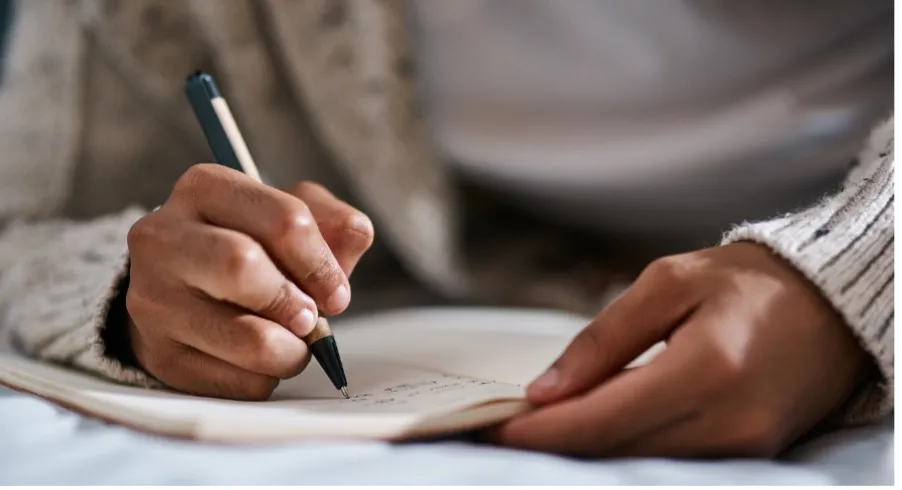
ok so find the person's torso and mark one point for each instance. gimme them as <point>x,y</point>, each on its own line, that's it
<point>578,105</point>
<point>139,132</point>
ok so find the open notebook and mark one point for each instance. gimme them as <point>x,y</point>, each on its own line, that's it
<point>413,373</point>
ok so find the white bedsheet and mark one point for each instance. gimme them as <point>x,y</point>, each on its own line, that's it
<point>44,444</point>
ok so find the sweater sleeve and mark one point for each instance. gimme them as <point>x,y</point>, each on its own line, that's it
<point>844,245</point>
<point>57,281</point>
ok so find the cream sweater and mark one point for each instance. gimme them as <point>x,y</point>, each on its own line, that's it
<point>83,145</point>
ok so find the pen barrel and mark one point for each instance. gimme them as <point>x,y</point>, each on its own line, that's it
<point>215,121</point>
<point>322,345</point>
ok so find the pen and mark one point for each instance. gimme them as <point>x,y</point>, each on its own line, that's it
<point>229,149</point>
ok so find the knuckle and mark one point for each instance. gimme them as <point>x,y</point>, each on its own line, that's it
<point>240,256</point>
<point>667,270</point>
<point>324,274</point>
<point>292,222</point>
<point>270,353</point>
<point>283,305</point>
<point>143,232</point>
<point>196,177</point>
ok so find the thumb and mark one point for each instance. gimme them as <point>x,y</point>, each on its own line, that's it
<point>641,317</point>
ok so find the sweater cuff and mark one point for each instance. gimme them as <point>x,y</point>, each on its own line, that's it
<point>845,247</point>
<point>58,296</point>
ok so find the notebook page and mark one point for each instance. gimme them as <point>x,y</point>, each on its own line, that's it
<point>377,387</point>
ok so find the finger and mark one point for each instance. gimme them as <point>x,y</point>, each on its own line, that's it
<point>222,264</point>
<point>279,221</point>
<point>686,438</point>
<point>731,424</point>
<point>628,406</point>
<point>645,314</point>
<point>190,371</point>
<point>724,435</point>
<point>243,339</point>
<point>348,231</point>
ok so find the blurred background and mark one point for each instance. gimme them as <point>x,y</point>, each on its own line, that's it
<point>624,129</point>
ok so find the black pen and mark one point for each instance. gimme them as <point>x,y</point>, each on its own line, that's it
<point>229,149</point>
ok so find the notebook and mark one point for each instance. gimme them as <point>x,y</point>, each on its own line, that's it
<point>412,374</point>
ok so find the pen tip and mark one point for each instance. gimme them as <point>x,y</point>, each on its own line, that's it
<point>344,391</point>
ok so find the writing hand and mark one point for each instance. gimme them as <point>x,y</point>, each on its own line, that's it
<point>755,358</point>
<point>229,275</point>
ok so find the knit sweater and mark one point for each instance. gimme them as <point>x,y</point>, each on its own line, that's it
<point>75,176</point>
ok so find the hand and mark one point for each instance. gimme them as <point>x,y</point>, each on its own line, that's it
<point>229,275</point>
<point>755,358</point>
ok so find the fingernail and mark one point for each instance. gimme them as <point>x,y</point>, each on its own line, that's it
<point>303,323</point>
<point>547,381</point>
<point>363,225</point>
<point>339,299</point>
